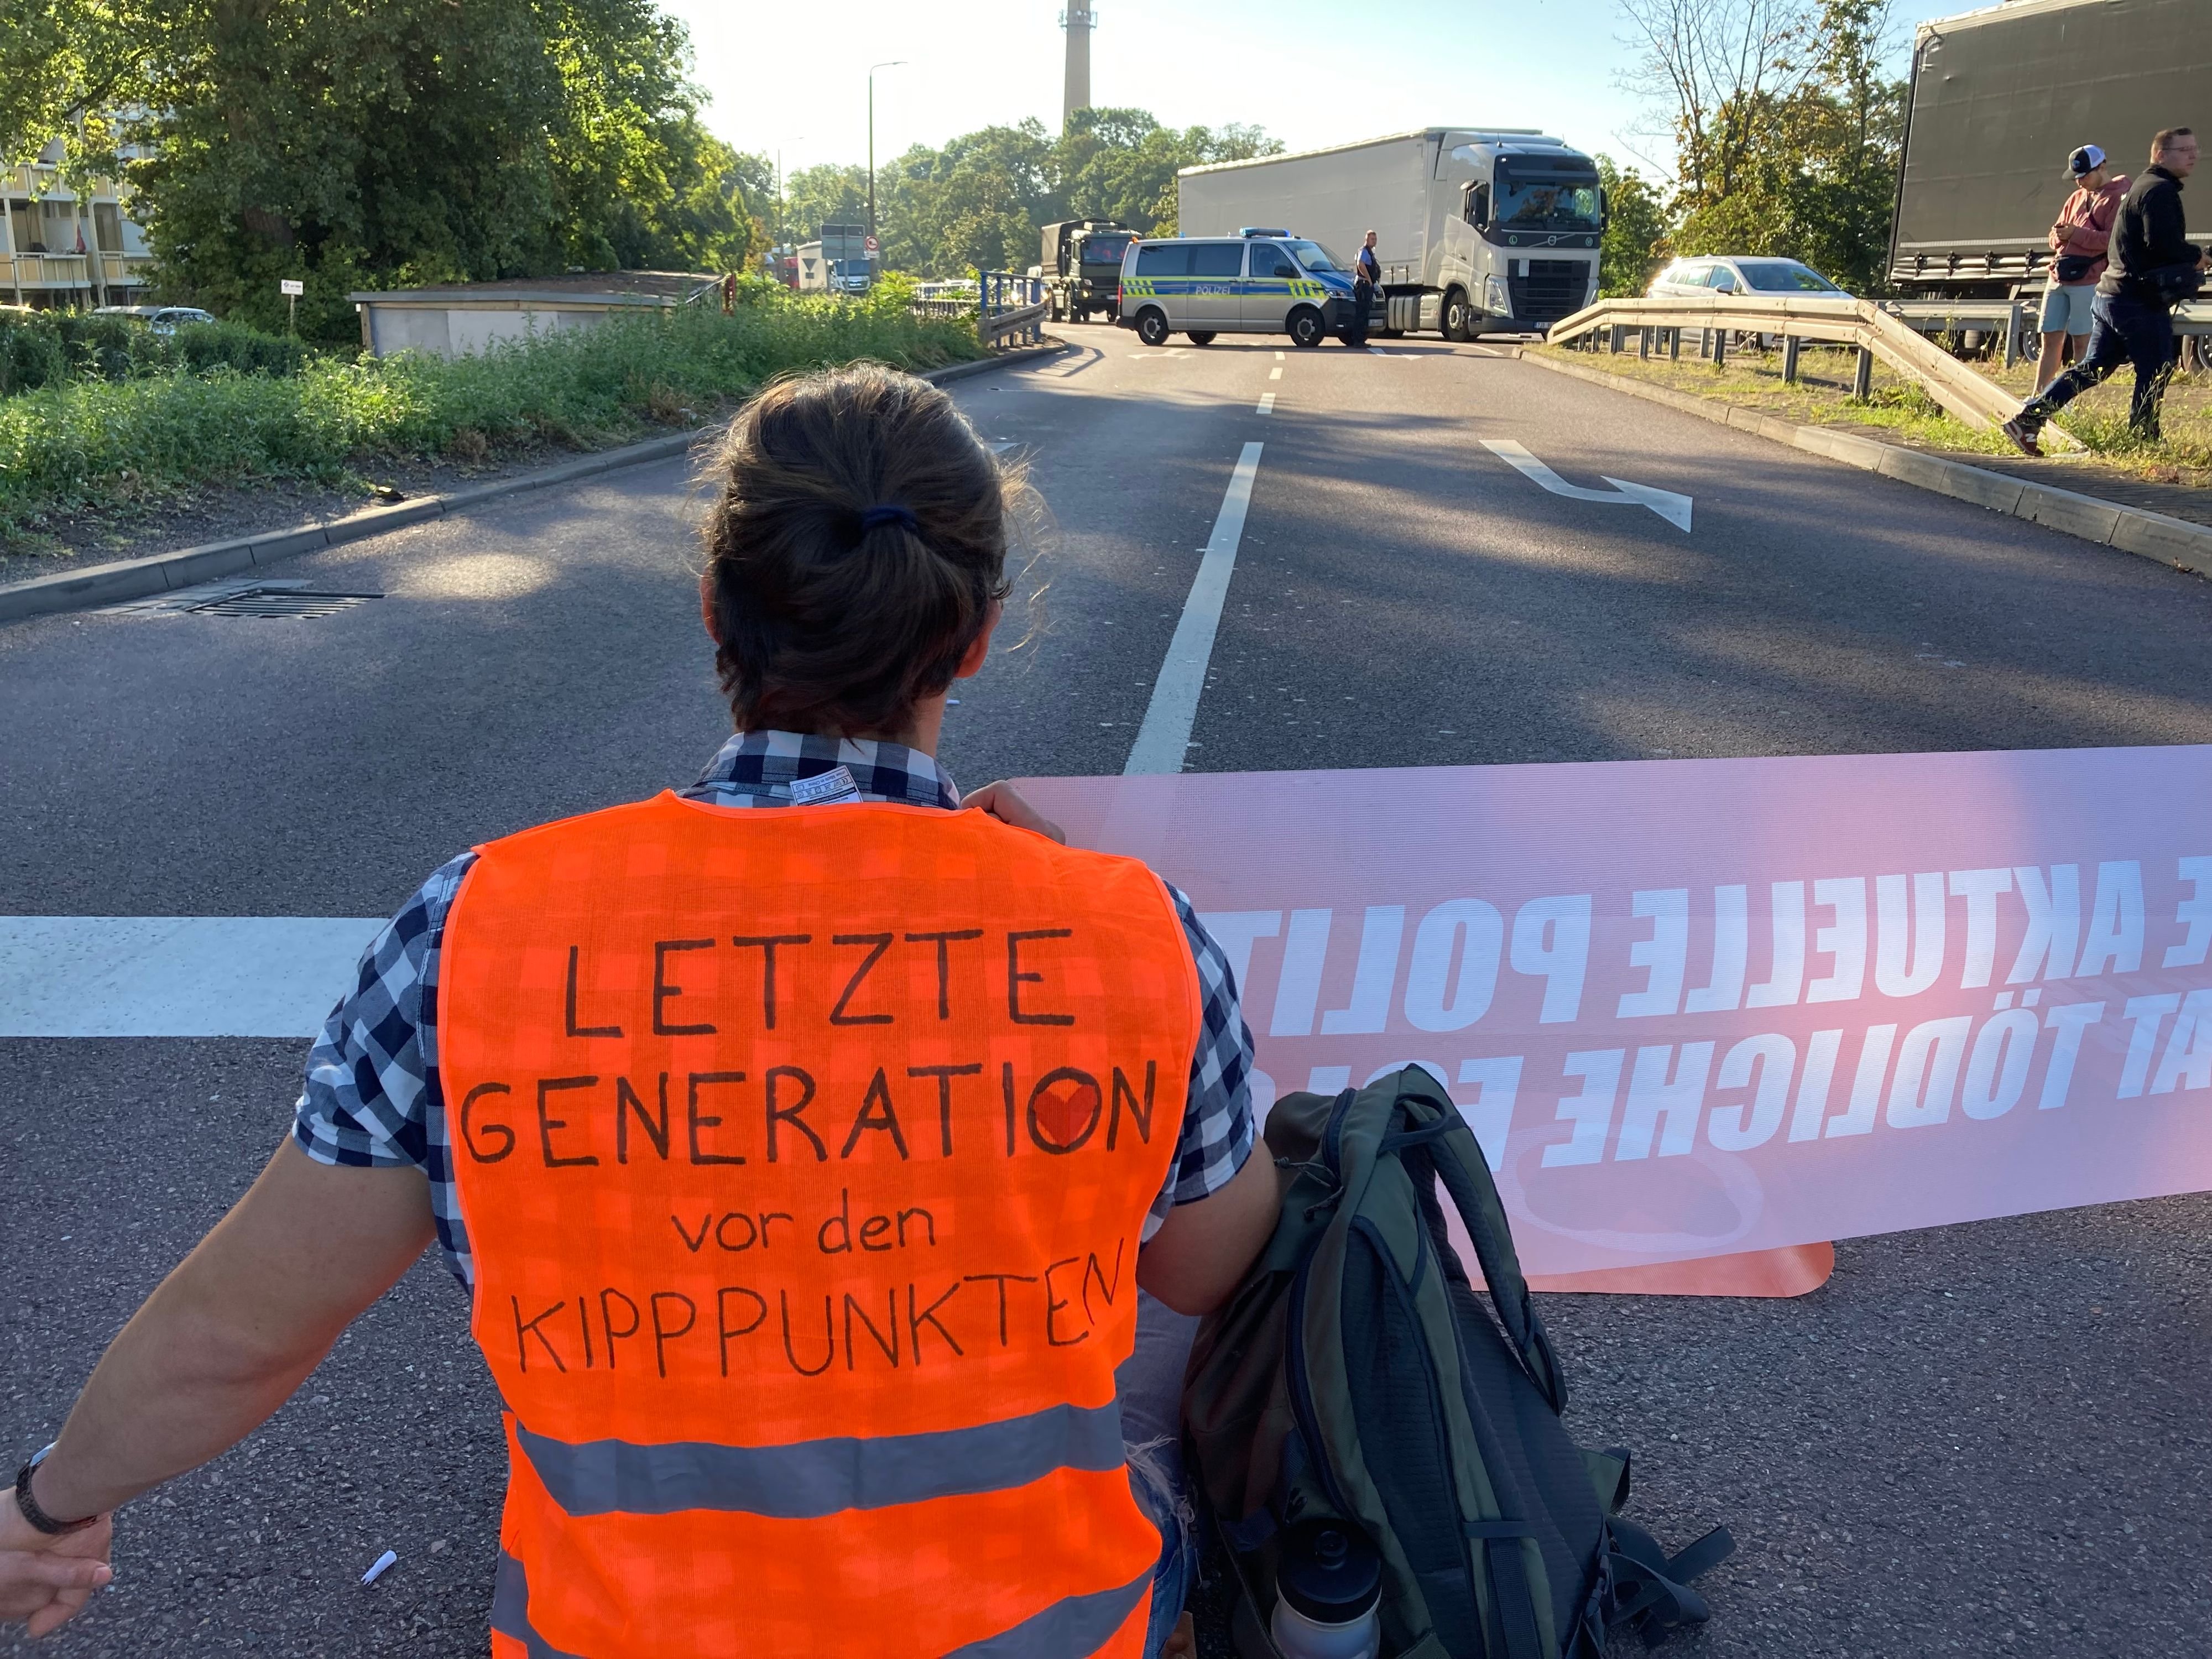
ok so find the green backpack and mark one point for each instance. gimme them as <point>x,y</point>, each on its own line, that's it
<point>1357,1375</point>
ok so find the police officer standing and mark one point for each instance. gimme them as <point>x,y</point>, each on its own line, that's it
<point>1366,274</point>
<point>2153,269</point>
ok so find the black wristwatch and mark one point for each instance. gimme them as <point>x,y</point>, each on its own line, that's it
<point>29,1505</point>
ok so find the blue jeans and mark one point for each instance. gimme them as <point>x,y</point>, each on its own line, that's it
<point>2122,329</point>
<point>1149,1384</point>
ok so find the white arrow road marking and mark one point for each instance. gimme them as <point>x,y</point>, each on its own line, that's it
<point>1675,509</point>
<point>1164,737</point>
<point>175,976</point>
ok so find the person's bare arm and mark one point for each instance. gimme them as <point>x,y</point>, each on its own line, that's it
<point>1203,1249</point>
<point>229,1334</point>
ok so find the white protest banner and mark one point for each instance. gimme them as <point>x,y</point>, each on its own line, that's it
<point>1699,1008</point>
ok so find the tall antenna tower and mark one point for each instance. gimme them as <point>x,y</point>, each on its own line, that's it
<point>1079,22</point>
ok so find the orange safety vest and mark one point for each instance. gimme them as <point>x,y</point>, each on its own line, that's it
<point>805,1156</point>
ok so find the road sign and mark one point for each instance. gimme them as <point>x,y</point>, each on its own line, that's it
<point>291,285</point>
<point>870,244</point>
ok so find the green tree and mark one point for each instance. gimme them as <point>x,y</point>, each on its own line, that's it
<point>1635,228</point>
<point>380,143</point>
<point>1787,131</point>
<point>830,194</point>
<point>981,202</point>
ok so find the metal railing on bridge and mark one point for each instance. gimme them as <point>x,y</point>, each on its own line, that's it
<point>1009,308</point>
<point>945,299</point>
<point>1838,321</point>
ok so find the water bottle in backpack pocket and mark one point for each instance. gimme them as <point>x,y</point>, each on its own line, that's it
<point>1356,1385</point>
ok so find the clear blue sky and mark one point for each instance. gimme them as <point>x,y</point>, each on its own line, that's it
<point>793,76</point>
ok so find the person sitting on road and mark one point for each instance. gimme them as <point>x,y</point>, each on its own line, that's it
<point>803,1164</point>
<point>2078,241</point>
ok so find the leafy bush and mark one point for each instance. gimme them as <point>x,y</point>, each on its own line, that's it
<point>84,442</point>
<point>204,346</point>
<point>47,348</point>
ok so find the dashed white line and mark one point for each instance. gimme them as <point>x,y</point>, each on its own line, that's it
<point>1278,357</point>
<point>1164,737</point>
<point>1266,403</point>
<point>1274,374</point>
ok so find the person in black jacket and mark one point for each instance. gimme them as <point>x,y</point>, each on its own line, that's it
<point>2152,268</point>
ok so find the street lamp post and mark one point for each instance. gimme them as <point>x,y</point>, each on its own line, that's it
<point>895,62</point>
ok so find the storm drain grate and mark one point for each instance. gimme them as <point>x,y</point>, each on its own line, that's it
<point>278,602</point>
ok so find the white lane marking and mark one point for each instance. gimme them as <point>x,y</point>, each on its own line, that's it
<point>1274,374</point>
<point>1266,403</point>
<point>1278,357</point>
<point>175,976</point>
<point>1172,351</point>
<point>1674,508</point>
<point>1163,738</point>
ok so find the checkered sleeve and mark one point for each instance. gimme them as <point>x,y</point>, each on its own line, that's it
<point>371,1098</point>
<point>1217,1128</point>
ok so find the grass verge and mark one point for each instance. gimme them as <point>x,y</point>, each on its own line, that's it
<point>1904,414</point>
<point>94,444</point>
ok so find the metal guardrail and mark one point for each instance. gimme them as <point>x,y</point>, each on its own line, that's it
<point>1840,321</point>
<point>1009,307</point>
<point>2014,319</point>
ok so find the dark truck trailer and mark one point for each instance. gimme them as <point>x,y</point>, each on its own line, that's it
<point>1082,267</point>
<point>2000,97</point>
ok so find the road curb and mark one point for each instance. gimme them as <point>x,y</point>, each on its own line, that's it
<point>2173,542</point>
<point>187,567</point>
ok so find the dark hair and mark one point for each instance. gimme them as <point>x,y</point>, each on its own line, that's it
<point>2162,140</point>
<point>856,548</point>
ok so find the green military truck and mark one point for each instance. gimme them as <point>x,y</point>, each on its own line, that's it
<point>1082,268</point>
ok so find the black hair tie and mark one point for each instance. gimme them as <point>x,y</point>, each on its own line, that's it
<point>877,517</point>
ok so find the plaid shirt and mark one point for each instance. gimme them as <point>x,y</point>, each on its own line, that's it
<point>373,1099</point>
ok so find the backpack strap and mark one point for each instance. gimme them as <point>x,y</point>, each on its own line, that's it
<point>1465,1173</point>
<point>1511,1592</point>
<point>1646,1589</point>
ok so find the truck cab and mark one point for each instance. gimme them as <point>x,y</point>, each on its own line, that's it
<point>1081,265</point>
<point>1521,248</point>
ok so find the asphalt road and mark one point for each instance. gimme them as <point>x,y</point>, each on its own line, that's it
<point>1980,1440</point>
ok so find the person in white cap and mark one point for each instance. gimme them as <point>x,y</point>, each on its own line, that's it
<point>2078,242</point>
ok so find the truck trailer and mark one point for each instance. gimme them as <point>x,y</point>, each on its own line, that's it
<point>2000,98</point>
<point>838,261</point>
<point>1478,230</point>
<point>1082,267</point>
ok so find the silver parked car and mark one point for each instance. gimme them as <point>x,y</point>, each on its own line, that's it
<point>162,319</point>
<point>1738,273</point>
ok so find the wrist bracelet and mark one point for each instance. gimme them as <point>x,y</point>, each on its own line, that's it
<point>29,1505</point>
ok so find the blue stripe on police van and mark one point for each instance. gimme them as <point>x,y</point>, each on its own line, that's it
<point>814,1478</point>
<point>1073,1628</point>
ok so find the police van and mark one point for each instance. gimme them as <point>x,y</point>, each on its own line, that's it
<point>1257,281</point>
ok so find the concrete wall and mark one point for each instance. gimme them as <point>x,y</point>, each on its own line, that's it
<point>456,330</point>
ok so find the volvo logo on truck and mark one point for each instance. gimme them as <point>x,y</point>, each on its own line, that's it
<point>1478,231</point>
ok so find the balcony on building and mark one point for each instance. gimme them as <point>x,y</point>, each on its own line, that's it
<point>50,238</point>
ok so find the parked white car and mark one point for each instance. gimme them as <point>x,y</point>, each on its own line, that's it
<point>1745,274</point>
<point>162,319</point>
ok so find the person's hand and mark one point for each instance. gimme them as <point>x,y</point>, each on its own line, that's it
<point>44,1581</point>
<point>1003,802</point>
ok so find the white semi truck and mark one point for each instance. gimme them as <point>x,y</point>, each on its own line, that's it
<point>1478,231</point>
